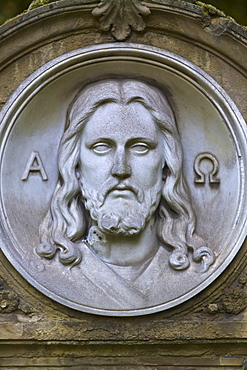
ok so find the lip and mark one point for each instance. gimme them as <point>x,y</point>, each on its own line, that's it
<point>122,188</point>
<point>122,192</point>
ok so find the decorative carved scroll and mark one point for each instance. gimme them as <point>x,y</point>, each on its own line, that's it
<point>121,17</point>
<point>200,177</point>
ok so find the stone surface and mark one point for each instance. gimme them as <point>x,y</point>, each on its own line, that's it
<point>153,284</point>
<point>208,331</point>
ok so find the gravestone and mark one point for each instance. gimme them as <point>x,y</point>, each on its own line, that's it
<point>123,187</point>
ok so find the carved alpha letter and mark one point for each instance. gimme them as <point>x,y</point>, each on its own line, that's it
<point>34,164</point>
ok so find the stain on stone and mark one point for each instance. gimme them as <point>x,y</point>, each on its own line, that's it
<point>234,298</point>
<point>10,301</point>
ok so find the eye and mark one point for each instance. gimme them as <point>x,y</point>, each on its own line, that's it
<point>101,148</point>
<point>139,148</point>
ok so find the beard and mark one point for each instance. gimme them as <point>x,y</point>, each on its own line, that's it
<point>121,216</point>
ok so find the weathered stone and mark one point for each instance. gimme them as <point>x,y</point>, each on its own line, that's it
<point>121,18</point>
<point>11,302</point>
<point>210,330</point>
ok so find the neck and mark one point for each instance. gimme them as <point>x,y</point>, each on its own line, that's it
<point>125,250</point>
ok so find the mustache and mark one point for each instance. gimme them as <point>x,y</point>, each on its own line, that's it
<point>112,184</point>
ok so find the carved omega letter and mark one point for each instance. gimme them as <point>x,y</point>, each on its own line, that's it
<point>200,175</point>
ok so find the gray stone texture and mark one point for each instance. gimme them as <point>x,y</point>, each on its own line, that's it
<point>208,331</point>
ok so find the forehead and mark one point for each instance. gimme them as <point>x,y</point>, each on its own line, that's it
<point>132,120</point>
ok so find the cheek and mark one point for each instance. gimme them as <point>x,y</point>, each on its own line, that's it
<point>94,171</point>
<point>149,172</point>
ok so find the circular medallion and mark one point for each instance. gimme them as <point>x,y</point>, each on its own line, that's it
<point>176,144</point>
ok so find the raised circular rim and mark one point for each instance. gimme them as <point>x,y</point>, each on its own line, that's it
<point>152,55</point>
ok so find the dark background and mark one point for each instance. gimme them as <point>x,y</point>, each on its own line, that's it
<point>235,8</point>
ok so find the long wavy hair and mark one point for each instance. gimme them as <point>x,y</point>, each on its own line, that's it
<point>66,222</point>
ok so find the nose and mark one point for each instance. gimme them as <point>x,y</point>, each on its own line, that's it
<point>120,168</point>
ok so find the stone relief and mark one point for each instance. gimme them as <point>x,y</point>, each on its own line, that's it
<point>200,177</point>
<point>120,188</point>
<point>121,192</point>
<point>34,164</point>
<point>121,17</point>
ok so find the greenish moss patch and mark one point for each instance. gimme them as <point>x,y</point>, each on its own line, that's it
<point>210,9</point>
<point>37,3</point>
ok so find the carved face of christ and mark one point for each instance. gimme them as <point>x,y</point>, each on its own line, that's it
<point>121,167</point>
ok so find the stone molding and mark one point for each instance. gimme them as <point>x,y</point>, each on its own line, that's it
<point>213,321</point>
